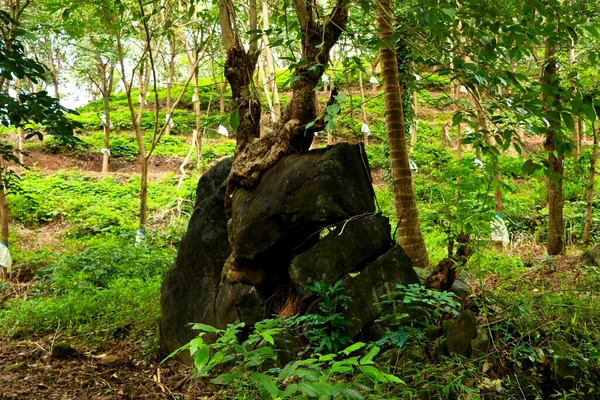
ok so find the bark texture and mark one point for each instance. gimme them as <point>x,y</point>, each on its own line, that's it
<point>589,194</point>
<point>409,226</point>
<point>554,182</point>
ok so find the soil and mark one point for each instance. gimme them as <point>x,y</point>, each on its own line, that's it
<point>92,163</point>
<point>28,370</point>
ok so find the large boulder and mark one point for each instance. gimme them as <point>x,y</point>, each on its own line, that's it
<point>592,256</point>
<point>311,217</point>
<point>190,288</point>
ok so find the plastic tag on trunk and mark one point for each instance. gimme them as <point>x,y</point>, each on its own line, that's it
<point>499,231</point>
<point>413,166</point>
<point>374,81</point>
<point>140,237</point>
<point>5,258</point>
<point>223,131</point>
<point>167,118</point>
<point>365,129</point>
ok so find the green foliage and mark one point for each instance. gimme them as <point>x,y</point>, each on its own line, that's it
<point>343,375</point>
<point>107,284</point>
<point>325,330</point>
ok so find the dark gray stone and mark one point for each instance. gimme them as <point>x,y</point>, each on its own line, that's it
<point>481,344</point>
<point>567,365</point>
<point>191,285</point>
<point>368,287</point>
<point>461,289</point>
<point>348,248</point>
<point>461,333</point>
<point>592,256</point>
<point>281,249</point>
<point>300,195</point>
<point>63,351</point>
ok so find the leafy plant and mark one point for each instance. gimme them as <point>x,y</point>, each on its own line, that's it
<point>326,330</point>
<point>343,375</point>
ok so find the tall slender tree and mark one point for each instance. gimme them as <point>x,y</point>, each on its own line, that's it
<point>409,226</point>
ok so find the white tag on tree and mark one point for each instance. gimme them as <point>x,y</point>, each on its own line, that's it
<point>413,166</point>
<point>499,231</point>
<point>171,123</point>
<point>103,119</point>
<point>223,131</point>
<point>140,237</point>
<point>463,90</point>
<point>195,98</point>
<point>5,258</point>
<point>104,150</point>
<point>365,129</point>
<point>325,78</point>
<point>374,81</point>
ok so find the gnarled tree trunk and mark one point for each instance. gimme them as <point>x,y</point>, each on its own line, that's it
<point>294,132</point>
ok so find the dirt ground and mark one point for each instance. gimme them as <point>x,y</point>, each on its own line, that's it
<point>28,370</point>
<point>92,163</point>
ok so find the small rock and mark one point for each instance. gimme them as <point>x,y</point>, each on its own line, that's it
<point>112,360</point>
<point>447,325</point>
<point>462,332</point>
<point>566,366</point>
<point>592,257</point>
<point>441,349</point>
<point>432,332</point>
<point>461,289</point>
<point>481,344</point>
<point>63,351</point>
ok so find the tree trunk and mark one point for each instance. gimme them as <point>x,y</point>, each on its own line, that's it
<point>374,65</point>
<point>292,133</point>
<point>170,81</point>
<point>445,133</point>
<point>272,83</point>
<point>3,212</point>
<point>362,106</point>
<point>222,97</point>
<point>554,182</point>
<point>414,125</point>
<point>106,129</point>
<point>589,194</point>
<point>409,227</point>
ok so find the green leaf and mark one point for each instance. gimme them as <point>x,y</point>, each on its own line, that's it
<point>226,379</point>
<point>205,328</point>
<point>451,12</point>
<point>569,122</point>
<point>368,358</point>
<point>457,118</point>
<point>234,119</point>
<point>289,390</point>
<point>327,357</point>
<point>351,394</point>
<point>267,337</point>
<point>588,108</point>
<point>374,373</point>
<point>309,389</point>
<point>201,357</point>
<point>265,383</point>
<point>353,347</point>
